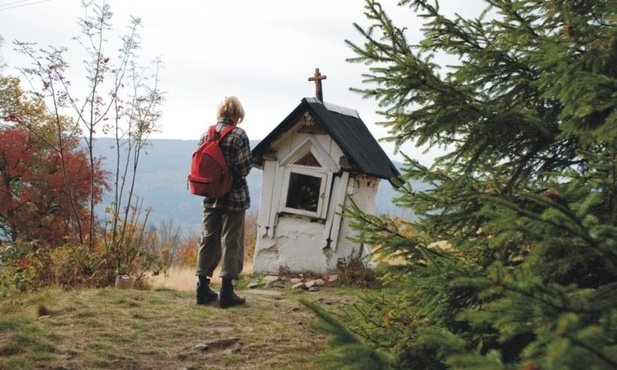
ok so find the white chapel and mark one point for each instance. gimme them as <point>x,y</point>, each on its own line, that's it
<point>315,162</point>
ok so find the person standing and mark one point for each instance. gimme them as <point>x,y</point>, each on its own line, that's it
<point>222,236</point>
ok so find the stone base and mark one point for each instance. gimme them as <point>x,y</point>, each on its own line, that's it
<point>125,282</point>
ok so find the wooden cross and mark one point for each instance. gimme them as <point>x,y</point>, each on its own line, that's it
<point>317,77</point>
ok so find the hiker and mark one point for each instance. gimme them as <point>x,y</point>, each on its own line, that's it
<point>222,237</point>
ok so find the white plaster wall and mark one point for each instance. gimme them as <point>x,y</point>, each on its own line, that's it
<point>364,192</point>
<point>298,243</point>
<point>296,246</point>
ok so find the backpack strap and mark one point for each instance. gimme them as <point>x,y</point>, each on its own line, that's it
<point>212,133</point>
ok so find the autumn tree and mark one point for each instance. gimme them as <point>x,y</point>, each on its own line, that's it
<point>513,263</point>
<point>116,97</point>
<point>34,204</point>
<point>38,219</point>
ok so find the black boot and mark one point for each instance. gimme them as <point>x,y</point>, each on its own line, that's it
<point>204,294</point>
<point>228,297</point>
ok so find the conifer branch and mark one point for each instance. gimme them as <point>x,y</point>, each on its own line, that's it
<point>599,354</point>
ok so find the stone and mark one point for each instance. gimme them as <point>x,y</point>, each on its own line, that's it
<point>124,282</point>
<point>309,284</point>
<point>269,279</point>
<point>203,347</point>
<point>268,294</point>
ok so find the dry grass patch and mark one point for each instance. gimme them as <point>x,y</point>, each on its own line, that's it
<point>183,279</point>
<point>179,279</point>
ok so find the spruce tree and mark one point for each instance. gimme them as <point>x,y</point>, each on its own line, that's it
<point>513,261</point>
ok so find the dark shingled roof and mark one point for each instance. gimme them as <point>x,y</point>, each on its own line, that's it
<point>347,129</point>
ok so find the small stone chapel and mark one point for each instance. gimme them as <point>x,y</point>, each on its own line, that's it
<point>316,158</point>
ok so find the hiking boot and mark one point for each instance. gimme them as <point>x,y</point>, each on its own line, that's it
<point>229,298</point>
<point>205,295</point>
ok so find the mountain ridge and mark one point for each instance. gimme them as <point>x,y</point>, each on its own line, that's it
<point>161,183</point>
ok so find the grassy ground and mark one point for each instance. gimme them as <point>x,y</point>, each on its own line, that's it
<point>162,329</point>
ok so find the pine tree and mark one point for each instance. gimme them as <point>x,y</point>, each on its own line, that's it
<point>513,262</point>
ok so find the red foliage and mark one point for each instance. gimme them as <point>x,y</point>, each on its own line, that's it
<point>24,262</point>
<point>35,198</point>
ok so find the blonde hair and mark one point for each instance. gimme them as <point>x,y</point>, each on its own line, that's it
<point>230,107</point>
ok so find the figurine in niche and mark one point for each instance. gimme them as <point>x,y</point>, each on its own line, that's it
<point>303,192</point>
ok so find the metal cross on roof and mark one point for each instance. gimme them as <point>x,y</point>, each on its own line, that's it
<point>317,77</point>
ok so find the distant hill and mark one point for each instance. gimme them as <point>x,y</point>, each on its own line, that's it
<point>161,183</point>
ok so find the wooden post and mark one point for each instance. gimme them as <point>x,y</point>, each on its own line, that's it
<point>317,77</point>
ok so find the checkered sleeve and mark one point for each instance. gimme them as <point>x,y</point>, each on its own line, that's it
<point>244,158</point>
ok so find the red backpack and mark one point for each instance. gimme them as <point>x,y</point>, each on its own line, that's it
<point>210,176</point>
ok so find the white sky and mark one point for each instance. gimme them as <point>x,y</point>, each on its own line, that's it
<point>261,51</point>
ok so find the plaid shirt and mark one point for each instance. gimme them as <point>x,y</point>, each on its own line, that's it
<point>237,151</point>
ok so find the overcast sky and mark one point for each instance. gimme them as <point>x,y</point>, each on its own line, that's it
<point>261,51</point>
